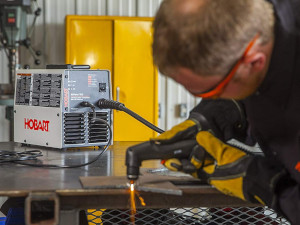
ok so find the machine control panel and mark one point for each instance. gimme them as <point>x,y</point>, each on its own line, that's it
<point>10,17</point>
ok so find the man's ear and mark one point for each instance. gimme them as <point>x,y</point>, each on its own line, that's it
<point>256,62</point>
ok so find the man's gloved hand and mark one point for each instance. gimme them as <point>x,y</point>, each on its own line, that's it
<point>183,131</point>
<point>235,173</point>
<point>225,117</point>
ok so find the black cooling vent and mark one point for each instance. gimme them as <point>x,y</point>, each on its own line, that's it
<point>98,131</point>
<point>74,128</point>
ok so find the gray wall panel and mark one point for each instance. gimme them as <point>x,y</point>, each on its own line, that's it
<point>113,8</point>
<point>90,7</point>
<point>55,13</point>
<point>147,7</point>
<point>127,8</point>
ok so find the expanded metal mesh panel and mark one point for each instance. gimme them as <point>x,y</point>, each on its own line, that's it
<point>183,216</point>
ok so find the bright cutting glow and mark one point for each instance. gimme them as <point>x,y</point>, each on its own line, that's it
<point>132,187</point>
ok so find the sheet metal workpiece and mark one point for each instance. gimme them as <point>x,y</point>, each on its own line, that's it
<point>147,183</point>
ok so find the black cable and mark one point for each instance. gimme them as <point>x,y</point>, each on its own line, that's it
<point>110,104</point>
<point>143,121</point>
<point>12,156</point>
<point>88,104</point>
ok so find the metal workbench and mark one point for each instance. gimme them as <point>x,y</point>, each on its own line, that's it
<point>64,187</point>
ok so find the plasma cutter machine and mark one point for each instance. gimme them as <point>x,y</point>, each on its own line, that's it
<point>48,107</point>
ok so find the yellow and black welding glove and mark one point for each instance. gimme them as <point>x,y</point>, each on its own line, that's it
<point>234,172</point>
<point>182,131</point>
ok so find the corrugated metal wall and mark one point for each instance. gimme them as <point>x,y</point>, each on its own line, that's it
<point>49,37</point>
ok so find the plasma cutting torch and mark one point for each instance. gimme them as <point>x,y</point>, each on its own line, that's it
<point>152,150</point>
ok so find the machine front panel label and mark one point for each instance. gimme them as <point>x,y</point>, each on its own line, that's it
<point>23,89</point>
<point>38,89</point>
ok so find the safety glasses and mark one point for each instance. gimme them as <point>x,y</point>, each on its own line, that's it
<point>218,89</point>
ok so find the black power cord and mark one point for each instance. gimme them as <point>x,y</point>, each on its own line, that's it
<point>12,156</point>
<point>110,104</point>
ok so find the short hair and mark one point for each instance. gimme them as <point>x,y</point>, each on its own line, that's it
<point>210,38</point>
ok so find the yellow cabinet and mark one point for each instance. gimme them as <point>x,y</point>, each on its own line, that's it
<point>123,46</point>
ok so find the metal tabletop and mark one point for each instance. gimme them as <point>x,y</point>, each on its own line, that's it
<point>20,180</point>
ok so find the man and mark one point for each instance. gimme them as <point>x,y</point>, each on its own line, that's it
<point>246,50</point>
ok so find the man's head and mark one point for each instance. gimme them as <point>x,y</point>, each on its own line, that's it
<point>197,42</point>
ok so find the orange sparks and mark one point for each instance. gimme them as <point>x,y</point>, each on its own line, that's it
<point>141,199</point>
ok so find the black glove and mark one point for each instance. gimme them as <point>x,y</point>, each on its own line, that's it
<point>226,118</point>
